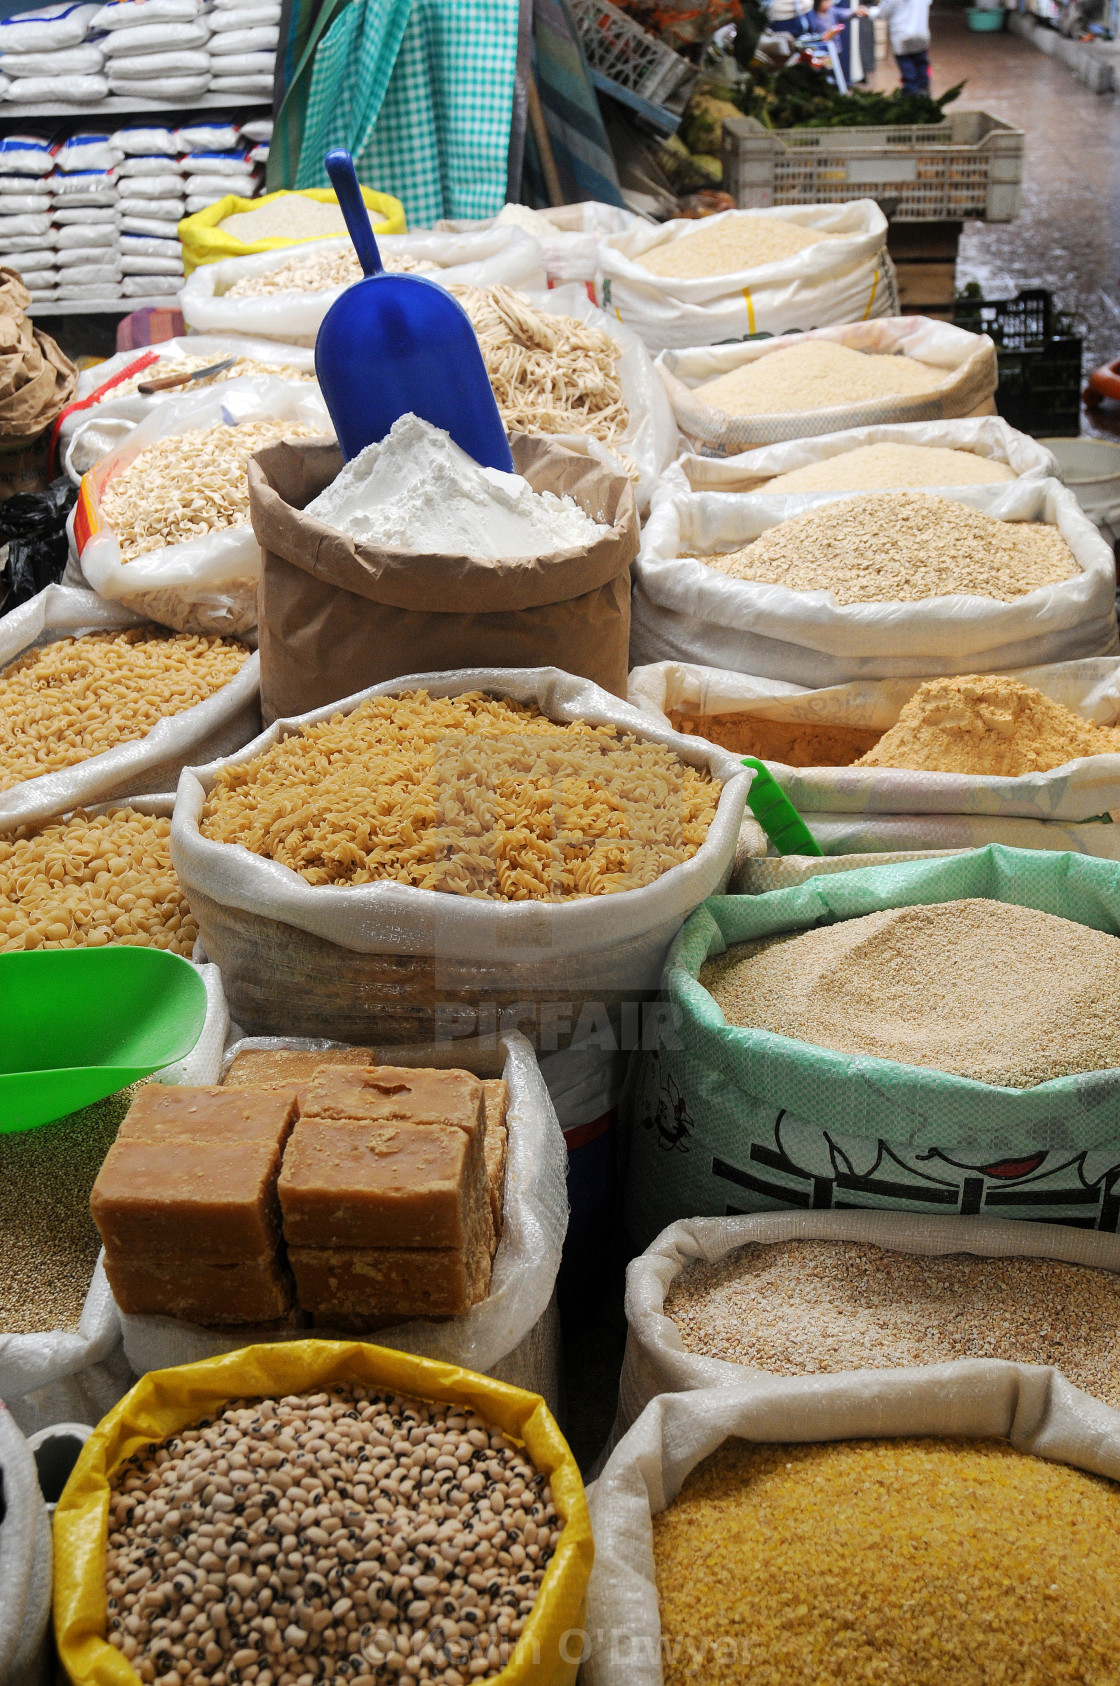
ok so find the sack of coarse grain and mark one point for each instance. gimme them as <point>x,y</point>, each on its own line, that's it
<point>569,235</point>
<point>25,1563</point>
<point>985,446</point>
<point>925,1539</point>
<point>284,295</point>
<point>725,1119</point>
<point>382,961</point>
<point>692,1320</point>
<point>731,398</point>
<point>514,1333</point>
<point>169,535</point>
<point>813,741</point>
<point>685,609</point>
<point>790,268</point>
<point>136,765</point>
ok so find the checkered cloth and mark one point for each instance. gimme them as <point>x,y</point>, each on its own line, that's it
<point>421,92</point>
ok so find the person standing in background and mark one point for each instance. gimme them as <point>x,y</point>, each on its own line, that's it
<point>789,17</point>
<point>908,26</point>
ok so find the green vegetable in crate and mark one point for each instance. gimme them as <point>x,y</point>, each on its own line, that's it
<point>702,129</point>
<point>799,97</point>
<point>683,172</point>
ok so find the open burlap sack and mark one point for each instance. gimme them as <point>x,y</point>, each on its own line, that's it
<point>36,379</point>
<point>337,615</point>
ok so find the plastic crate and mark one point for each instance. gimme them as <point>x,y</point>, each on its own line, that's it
<point>1039,362</point>
<point>967,169</point>
<point>628,55</point>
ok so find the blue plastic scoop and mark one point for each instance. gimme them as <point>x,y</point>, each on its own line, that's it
<point>398,343</point>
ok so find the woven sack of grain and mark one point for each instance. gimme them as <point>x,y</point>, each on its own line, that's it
<point>846,278</point>
<point>338,615</point>
<point>987,437</point>
<point>513,1334</point>
<point>845,806</point>
<point>388,962</point>
<point>497,257</point>
<point>683,610</point>
<point>217,726</point>
<point>569,235</point>
<point>725,1117</point>
<point>203,584</point>
<point>25,1563</point>
<point>121,402</point>
<point>963,364</point>
<point>1033,1407</point>
<point>656,1360</point>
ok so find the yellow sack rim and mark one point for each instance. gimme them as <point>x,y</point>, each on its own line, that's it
<point>204,242</point>
<point>165,1401</point>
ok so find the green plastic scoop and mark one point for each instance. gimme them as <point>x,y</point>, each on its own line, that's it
<point>776,814</point>
<point>81,1023</point>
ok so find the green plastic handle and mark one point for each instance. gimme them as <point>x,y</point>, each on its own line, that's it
<point>776,814</point>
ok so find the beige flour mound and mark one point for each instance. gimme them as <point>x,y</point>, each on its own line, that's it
<point>735,243</point>
<point>985,989</point>
<point>816,375</point>
<point>294,217</point>
<point>800,1308</point>
<point>881,467</point>
<point>987,723</point>
<point>902,547</point>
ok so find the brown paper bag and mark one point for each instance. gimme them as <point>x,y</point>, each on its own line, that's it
<point>337,615</point>
<point>36,379</point>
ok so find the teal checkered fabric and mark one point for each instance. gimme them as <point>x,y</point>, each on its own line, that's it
<point>421,92</point>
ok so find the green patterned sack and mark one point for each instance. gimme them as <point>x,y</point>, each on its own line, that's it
<point>727,1120</point>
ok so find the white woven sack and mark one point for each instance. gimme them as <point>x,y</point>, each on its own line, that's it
<point>569,235</point>
<point>756,872</point>
<point>683,610</point>
<point>25,1563</point>
<point>984,436</point>
<point>265,925</point>
<point>507,257</point>
<point>841,834</point>
<point>1032,1406</point>
<point>222,723</point>
<point>846,279</point>
<point>650,441</point>
<point>513,1331</point>
<point>968,382</point>
<point>207,584</point>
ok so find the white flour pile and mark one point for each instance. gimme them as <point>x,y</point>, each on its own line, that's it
<point>416,490</point>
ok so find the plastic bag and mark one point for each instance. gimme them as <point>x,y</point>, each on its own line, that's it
<point>155,38</point>
<point>146,141</point>
<point>64,25</point>
<point>175,63</point>
<point>134,14</point>
<point>569,235</point>
<point>25,1562</point>
<point>36,90</point>
<point>166,1401</point>
<point>85,60</point>
<point>23,155</point>
<point>206,584</point>
<point>33,533</point>
<point>846,279</point>
<point>984,436</point>
<point>499,1332</point>
<point>1033,1407</point>
<point>151,763</point>
<point>206,243</point>
<point>683,610</point>
<point>317,961</point>
<point>968,382</point>
<point>656,1361</point>
<point>727,1116</point>
<point>85,151</point>
<point>508,257</point>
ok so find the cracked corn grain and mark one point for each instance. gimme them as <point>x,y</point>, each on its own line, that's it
<point>733,243</point>
<point>75,698</point>
<point>983,989</point>
<point>48,1242</point>
<point>317,274</point>
<point>472,795</point>
<point>903,547</point>
<point>888,1563</point>
<point>188,484</point>
<point>816,375</point>
<point>799,1308</point>
<point>92,880</point>
<point>241,366</point>
<point>338,1536</point>
<point>884,467</point>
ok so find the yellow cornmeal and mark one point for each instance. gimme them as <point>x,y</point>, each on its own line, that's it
<point>888,1563</point>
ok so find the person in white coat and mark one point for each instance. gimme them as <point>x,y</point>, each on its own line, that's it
<point>908,26</point>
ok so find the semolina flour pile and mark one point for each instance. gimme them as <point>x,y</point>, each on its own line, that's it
<point>988,724</point>
<point>816,375</point>
<point>889,467</point>
<point>740,242</point>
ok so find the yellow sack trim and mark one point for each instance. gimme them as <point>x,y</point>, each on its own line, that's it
<point>204,242</point>
<point>165,1401</point>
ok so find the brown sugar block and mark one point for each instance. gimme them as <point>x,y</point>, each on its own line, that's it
<point>165,1112</point>
<point>363,1285</point>
<point>184,1200</point>
<point>200,1292</point>
<point>494,1101</point>
<point>392,1094</point>
<point>280,1068</point>
<point>382,1185</point>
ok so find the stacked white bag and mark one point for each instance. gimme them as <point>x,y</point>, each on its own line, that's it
<point>243,42</point>
<point>215,161</point>
<point>155,48</point>
<point>84,216</point>
<point>47,55</point>
<point>27,236</point>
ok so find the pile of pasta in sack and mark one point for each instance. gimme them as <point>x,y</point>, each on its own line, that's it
<point>669,817</point>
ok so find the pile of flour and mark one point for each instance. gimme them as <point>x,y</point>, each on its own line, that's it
<point>416,490</point>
